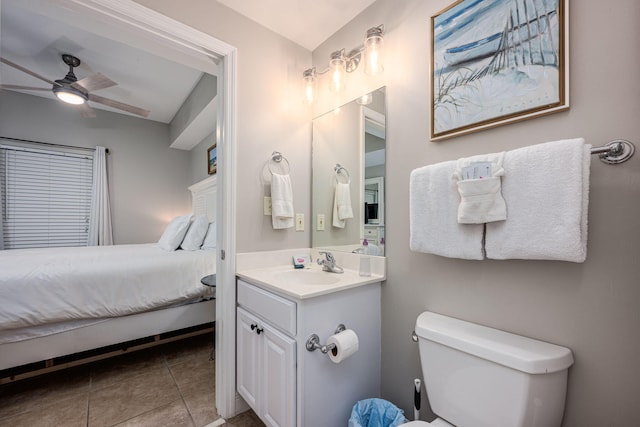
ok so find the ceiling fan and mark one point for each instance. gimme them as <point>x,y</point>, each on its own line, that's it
<point>77,92</point>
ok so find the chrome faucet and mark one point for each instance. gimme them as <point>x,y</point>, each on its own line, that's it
<point>329,263</point>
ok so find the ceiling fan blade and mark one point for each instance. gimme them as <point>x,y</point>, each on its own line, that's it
<point>28,71</point>
<point>94,82</point>
<point>18,87</point>
<point>86,111</point>
<point>119,105</point>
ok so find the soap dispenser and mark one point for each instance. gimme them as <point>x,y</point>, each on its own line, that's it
<point>365,260</point>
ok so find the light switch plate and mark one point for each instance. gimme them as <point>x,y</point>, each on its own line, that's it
<point>300,222</point>
<point>320,222</point>
<point>267,205</point>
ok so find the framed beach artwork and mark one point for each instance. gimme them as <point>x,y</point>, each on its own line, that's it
<point>212,159</point>
<point>495,62</point>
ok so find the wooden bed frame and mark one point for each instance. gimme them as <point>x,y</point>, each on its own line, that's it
<point>114,336</point>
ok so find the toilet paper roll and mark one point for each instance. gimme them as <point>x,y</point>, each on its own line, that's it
<point>346,344</point>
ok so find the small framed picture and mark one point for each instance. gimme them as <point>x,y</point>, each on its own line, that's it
<point>212,159</point>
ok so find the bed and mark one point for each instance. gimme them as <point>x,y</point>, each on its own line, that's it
<point>66,301</point>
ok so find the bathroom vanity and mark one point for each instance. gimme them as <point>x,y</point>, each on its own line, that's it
<point>279,308</point>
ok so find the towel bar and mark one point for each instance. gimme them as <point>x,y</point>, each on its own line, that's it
<point>614,152</point>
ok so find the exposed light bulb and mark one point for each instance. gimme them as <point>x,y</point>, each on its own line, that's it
<point>310,85</point>
<point>337,69</point>
<point>373,51</point>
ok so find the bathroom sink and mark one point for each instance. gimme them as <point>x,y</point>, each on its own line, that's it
<point>307,277</point>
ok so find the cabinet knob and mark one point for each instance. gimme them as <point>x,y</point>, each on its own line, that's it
<point>259,330</point>
<point>253,326</point>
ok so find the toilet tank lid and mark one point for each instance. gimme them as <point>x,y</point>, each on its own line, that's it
<point>515,351</point>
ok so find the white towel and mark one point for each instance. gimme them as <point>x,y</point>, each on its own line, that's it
<point>341,205</point>
<point>479,185</point>
<point>281,201</point>
<point>546,188</point>
<point>433,206</point>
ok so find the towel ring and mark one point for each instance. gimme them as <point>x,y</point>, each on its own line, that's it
<point>339,169</point>
<point>277,157</point>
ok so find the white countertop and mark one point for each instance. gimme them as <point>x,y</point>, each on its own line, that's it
<point>280,276</point>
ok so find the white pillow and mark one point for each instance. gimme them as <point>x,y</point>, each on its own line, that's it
<point>197,230</point>
<point>210,239</point>
<point>174,233</point>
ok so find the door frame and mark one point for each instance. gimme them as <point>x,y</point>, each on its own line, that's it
<point>131,15</point>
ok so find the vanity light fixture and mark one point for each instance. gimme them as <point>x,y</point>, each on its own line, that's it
<point>340,64</point>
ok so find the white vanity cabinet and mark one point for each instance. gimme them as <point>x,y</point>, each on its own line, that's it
<point>266,357</point>
<point>283,382</point>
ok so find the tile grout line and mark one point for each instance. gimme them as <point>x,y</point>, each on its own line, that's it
<point>166,362</point>
<point>89,395</point>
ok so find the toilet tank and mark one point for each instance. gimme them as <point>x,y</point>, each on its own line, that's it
<point>477,376</point>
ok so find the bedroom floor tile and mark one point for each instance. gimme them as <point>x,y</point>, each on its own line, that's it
<point>169,385</point>
<point>69,413</point>
<point>112,371</point>
<point>174,414</point>
<point>190,374</point>
<point>130,397</point>
<point>192,348</point>
<point>201,403</point>
<point>23,396</point>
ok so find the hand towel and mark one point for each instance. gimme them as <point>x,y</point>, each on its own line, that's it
<point>281,201</point>
<point>479,184</point>
<point>433,205</point>
<point>546,188</point>
<point>341,205</point>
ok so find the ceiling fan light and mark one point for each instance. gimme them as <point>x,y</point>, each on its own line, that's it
<point>69,95</point>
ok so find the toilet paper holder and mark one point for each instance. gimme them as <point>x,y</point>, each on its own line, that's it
<point>313,342</point>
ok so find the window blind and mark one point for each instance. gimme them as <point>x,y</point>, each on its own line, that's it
<point>46,197</point>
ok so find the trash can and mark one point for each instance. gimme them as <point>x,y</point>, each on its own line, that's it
<point>376,413</point>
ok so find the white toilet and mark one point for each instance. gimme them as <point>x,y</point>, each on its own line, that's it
<point>477,376</point>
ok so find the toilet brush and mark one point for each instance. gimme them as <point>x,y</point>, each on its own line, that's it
<point>416,399</point>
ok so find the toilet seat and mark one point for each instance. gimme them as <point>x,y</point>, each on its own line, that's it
<point>438,422</point>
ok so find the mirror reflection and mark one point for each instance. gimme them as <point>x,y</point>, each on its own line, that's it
<point>348,176</point>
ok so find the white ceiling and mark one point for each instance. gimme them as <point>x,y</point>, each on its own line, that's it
<point>306,22</point>
<point>33,38</point>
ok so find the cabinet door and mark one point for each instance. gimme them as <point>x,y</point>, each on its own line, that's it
<point>279,378</point>
<point>248,359</point>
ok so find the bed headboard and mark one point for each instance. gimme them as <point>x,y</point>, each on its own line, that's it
<point>203,197</point>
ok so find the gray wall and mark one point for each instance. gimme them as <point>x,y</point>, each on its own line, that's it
<point>591,308</point>
<point>148,180</point>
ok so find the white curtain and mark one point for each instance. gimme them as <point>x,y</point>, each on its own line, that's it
<point>100,233</point>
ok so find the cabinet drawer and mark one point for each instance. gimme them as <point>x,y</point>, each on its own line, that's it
<point>371,233</point>
<point>278,311</point>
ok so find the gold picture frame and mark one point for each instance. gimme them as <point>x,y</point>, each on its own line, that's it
<point>494,63</point>
<point>212,159</point>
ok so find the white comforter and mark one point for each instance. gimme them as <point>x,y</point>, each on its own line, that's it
<point>39,286</point>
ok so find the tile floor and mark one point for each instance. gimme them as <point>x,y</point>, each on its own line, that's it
<point>169,385</point>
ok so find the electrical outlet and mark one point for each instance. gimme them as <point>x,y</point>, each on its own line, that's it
<point>267,205</point>
<point>299,222</point>
<point>320,222</point>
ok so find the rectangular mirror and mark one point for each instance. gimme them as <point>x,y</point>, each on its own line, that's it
<point>348,150</point>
